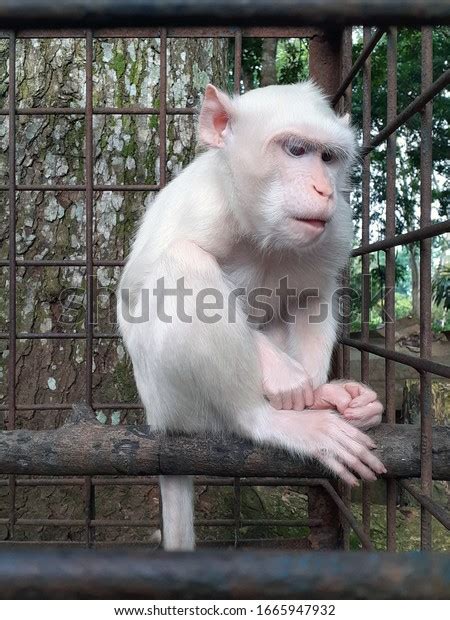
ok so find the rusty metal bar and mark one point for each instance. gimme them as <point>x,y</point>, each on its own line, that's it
<point>153,480</point>
<point>389,297</point>
<point>63,263</point>
<point>121,574</point>
<point>145,523</point>
<point>162,106</point>
<point>345,108</point>
<point>432,230</point>
<point>12,312</point>
<point>426,163</point>
<point>237,61</point>
<point>415,106</point>
<point>141,187</point>
<point>237,481</point>
<point>172,32</point>
<point>421,364</point>
<point>82,13</point>
<point>367,50</point>
<point>345,511</point>
<point>89,497</point>
<point>60,336</point>
<point>365,235</point>
<point>427,503</point>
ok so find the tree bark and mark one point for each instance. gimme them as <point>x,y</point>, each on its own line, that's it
<point>268,62</point>
<point>51,225</point>
<point>85,447</point>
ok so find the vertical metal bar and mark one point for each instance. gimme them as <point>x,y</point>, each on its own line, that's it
<point>162,106</point>
<point>237,61</point>
<point>12,267</point>
<point>89,172</point>
<point>89,510</point>
<point>325,59</point>
<point>237,510</point>
<point>346,106</point>
<point>237,90</point>
<point>426,160</point>
<point>162,169</point>
<point>389,299</point>
<point>365,224</point>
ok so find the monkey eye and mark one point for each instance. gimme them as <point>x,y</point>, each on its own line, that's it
<point>327,156</point>
<point>294,150</point>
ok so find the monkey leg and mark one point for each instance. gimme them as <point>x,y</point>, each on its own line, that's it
<point>192,373</point>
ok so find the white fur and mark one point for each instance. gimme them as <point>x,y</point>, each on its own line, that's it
<point>224,223</point>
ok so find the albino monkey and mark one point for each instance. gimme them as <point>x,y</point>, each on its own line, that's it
<point>264,202</point>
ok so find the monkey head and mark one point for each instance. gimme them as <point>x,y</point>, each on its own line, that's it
<point>288,155</point>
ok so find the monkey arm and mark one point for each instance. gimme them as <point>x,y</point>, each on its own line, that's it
<point>312,338</point>
<point>286,384</point>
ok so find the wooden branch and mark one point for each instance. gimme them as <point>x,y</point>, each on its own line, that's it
<point>84,447</point>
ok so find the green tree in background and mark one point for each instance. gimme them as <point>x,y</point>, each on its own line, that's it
<point>287,60</point>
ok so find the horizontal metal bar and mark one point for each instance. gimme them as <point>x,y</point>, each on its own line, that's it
<point>91,448</point>
<point>154,523</point>
<point>132,32</point>
<point>415,106</point>
<point>68,111</point>
<point>59,335</point>
<point>433,230</point>
<point>88,13</point>
<point>63,263</point>
<point>365,53</point>
<point>427,502</point>
<point>153,480</point>
<point>122,573</point>
<point>142,187</point>
<point>62,406</point>
<point>420,364</point>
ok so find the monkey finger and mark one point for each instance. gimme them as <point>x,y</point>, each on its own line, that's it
<point>308,394</point>
<point>367,457</point>
<point>366,423</point>
<point>275,400</point>
<point>357,436</point>
<point>336,396</point>
<point>339,469</point>
<point>354,463</point>
<point>298,400</point>
<point>356,413</point>
<point>367,396</point>
<point>287,400</point>
<point>353,388</point>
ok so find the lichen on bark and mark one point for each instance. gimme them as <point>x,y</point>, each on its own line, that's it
<point>50,149</point>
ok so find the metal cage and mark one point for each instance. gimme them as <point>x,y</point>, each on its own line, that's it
<point>330,58</point>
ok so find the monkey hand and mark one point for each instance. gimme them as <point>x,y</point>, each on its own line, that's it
<point>356,402</point>
<point>286,384</point>
<point>345,450</point>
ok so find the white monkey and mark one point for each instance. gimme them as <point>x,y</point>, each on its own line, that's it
<point>263,203</point>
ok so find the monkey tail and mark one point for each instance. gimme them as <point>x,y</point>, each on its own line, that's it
<point>177,496</point>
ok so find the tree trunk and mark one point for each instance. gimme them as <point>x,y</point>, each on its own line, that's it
<point>51,225</point>
<point>268,62</point>
<point>415,280</point>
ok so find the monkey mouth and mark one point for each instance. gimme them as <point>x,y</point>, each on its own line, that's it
<point>314,225</point>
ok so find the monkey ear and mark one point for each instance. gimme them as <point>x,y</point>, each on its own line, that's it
<point>345,119</point>
<point>214,117</point>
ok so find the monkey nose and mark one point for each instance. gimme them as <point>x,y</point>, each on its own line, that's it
<point>323,190</point>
